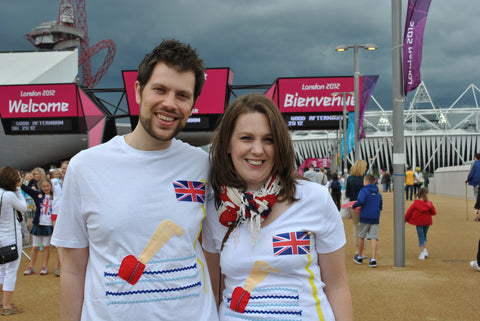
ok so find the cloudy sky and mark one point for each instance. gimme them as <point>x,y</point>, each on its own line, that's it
<point>261,40</point>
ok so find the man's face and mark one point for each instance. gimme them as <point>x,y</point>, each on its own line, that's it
<point>166,102</point>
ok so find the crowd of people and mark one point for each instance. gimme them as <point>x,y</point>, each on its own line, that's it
<point>231,234</point>
<point>27,199</point>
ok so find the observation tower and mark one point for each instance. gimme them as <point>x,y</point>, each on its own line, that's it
<point>71,31</point>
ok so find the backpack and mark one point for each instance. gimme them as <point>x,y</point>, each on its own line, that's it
<point>336,185</point>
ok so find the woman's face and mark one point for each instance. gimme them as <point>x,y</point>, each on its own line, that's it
<point>37,175</point>
<point>252,150</point>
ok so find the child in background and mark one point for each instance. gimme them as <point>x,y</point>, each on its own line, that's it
<point>335,187</point>
<point>370,199</point>
<point>42,223</point>
<point>420,214</point>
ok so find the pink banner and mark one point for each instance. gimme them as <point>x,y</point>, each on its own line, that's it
<point>317,162</point>
<point>211,100</point>
<point>299,95</point>
<point>38,101</point>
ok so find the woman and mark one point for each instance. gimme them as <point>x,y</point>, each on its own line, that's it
<point>10,229</point>
<point>354,185</point>
<point>38,174</point>
<point>277,239</point>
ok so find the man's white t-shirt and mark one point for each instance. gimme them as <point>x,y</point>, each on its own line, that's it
<point>290,243</point>
<point>114,198</point>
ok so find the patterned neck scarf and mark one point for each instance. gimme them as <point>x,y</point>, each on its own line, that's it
<point>250,207</point>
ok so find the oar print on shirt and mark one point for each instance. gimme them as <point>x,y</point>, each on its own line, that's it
<point>132,269</point>
<point>241,296</point>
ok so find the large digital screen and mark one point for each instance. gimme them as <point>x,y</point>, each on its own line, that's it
<point>40,109</point>
<point>209,106</point>
<point>310,103</point>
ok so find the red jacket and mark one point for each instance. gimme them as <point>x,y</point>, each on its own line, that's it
<point>420,213</point>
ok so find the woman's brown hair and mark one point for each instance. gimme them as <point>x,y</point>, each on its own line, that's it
<point>223,171</point>
<point>9,178</point>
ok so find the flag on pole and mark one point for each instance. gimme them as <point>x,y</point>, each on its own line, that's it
<point>350,133</point>
<point>368,85</point>
<point>417,12</point>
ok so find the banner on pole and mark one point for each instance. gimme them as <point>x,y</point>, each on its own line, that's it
<point>417,12</point>
<point>368,86</point>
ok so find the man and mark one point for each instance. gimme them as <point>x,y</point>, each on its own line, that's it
<point>473,178</point>
<point>311,174</point>
<point>116,195</point>
<point>409,183</point>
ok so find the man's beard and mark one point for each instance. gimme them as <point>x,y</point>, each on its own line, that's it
<point>147,125</point>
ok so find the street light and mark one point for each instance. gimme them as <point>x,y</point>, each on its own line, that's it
<point>356,76</point>
<point>344,102</point>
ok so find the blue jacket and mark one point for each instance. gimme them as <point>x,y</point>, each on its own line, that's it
<point>474,175</point>
<point>371,202</point>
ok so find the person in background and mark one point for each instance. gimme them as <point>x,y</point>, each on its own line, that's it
<point>420,214</point>
<point>41,225</point>
<point>473,178</point>
<point>475,264</point>
<point>55,173</point>
<point>409,183</point>
<point>38,174</point>
<point>57,185</point>
<point>370,199</point>
<point>426,180</point>
<point>335,187</point>
<point>322,176</point>
<point>10,230</point>
<point>263,209</point>
<point>30,212</point>
<point>144,188</point>
<point>386,181</point>
<point>353,187</point>
<point>417,181</point>
<point>311,174</point>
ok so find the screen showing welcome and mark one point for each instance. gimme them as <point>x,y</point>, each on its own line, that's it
<point>39,109</point>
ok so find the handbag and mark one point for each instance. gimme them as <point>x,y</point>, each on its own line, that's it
<point>9,253</point>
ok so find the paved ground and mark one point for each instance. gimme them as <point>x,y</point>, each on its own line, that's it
<point>443,287</point>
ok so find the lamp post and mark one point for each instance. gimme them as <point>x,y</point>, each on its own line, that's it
<point>344,103</point>
<point>356,76</point>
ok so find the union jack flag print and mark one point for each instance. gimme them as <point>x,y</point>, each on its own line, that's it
<point>292,243</point>
<point>189,191</point>
<point>46,207</point>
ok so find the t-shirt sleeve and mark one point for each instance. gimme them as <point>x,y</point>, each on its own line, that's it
<point>332,236</point>
<point>323,218</point>
<point>212,230</point>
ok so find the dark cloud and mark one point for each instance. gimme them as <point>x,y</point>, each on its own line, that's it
<point>262,40</point>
